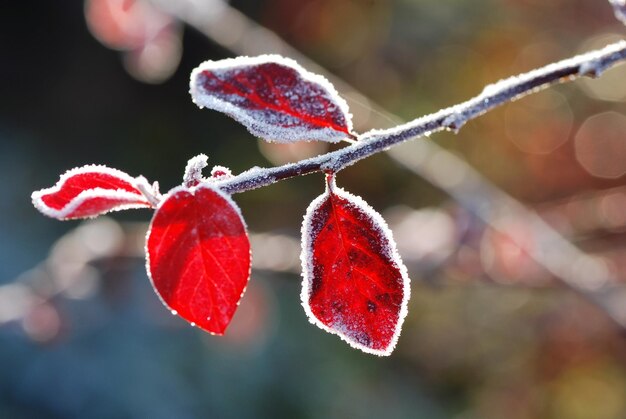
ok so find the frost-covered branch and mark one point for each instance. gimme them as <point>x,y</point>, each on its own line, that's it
<point>591,64</point>
<point>231,29</point>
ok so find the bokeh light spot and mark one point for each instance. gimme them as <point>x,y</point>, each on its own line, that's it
<point>539,123</point>
<point>601,145</point>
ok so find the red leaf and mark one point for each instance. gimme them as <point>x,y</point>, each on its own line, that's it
<point>273,97</point>
<point>89,191</point>
<point>199,256</point>
<point>354,283</point>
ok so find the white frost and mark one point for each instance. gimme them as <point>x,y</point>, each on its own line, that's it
<point>193,170</point>
<point>270,125</point>
<point>580,61</point>
<point>498,93</point>
<point>306,258</point>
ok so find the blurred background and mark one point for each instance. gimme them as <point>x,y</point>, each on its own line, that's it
<point>491,333</point>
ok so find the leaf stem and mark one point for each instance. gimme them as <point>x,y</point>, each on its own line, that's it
<point>150,192</point>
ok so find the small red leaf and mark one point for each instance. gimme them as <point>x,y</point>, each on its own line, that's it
<point>273,97</point>
<point>89,191</point>
<point>354,283</point>
<point>199,256</point>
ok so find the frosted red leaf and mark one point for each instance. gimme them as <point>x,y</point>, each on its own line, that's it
<point>90,191</point>
<point>274,97</point>
<point>354,283</point>
<point>199,256</point>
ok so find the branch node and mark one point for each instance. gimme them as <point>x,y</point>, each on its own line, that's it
<point>454,122</point>
<point>150,192</point>
<point>329,166</point>
<point>593,69</point>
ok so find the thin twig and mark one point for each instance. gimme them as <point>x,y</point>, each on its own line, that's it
<point>452,118</point>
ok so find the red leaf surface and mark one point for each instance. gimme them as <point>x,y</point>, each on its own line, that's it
<point>354,283</point>
<point>273,97</point>
<point>199,256</point>
<point>89,191</point>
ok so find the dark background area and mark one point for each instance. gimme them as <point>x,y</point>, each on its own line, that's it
<point>489,333</point>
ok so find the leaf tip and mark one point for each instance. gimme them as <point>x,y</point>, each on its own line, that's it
<point>274,97</point>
